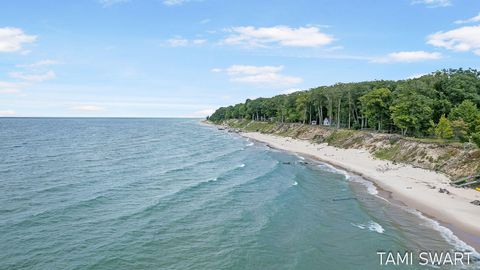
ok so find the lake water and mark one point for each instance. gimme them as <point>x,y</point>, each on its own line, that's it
<point>178,194</point>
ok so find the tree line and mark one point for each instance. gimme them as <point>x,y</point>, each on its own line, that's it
<point>443,104</point>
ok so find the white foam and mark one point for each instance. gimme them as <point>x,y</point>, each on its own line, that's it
<point>375,227</point>
<point>330,168</point>
<point>241,165</point>
<point>371,226</point>
<point>446,233</point>
<point>213,179</point>
<point>250,144</point>
<point>295,183</point>
<point>360,226</point>
<point>371,188</point>
<point>300,157</point>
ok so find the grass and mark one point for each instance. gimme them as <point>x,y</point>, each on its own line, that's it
<point>388,153</point>
<point>260,126</point>
<point>339,136</point>
<point>435,141</point>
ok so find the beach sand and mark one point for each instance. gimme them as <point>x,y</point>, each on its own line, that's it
<point>417,188</point>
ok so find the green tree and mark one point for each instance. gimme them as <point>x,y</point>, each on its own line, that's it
<point>375,106</point>
<point>460,130</point>
<point>302,105</point>
<point>411,111</point>
<point>411,106</point>
<point>468,112</point>
<point>444,128</point>
<point>476,138</point>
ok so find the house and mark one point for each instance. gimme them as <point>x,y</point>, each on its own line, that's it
<point>326,121</point>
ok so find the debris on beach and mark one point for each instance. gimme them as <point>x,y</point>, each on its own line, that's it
<point>444,190</point>
<point>476,202</point>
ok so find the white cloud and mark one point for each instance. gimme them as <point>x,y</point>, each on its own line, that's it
<point>12,39</point>
<point>174,2</point>
<point>31,73</point>
<point>252,70</point>
<point>199,41</point>
<point>88,108</point>
<point>183,42</point>
<point>204,21</point>
<point>108,3</point>
<point>268,79</point>
<point>204,112</point>
<point>418,75</point>
<point>277,35</point>
<point>470,20</point>
<point>462,39</point>
<point>407,57</point>
<point>41,63</point>
<point>433,3</point>
<point>9,91</point>
<point>7,113</point>
<point>39,77</point>
<point>177,42</point>
<point>10,87</point>
<point>291,90</point>
<point>259,75</point>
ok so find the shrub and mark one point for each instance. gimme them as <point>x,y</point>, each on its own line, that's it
<point>444,129</point>
<point>476,138</point>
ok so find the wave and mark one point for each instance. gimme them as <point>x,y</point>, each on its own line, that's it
<point>371,188</point>
<point>193,165</point>
<point>165,199</point>
<point>333,169</point>
<point>295,183</point>
<point>253,179</point>
<point>446,233</point>
<point>300,157</point>
<point>371,226</point>
<point>249,144</point>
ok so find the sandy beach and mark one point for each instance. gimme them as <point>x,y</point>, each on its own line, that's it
<point>416,187</point>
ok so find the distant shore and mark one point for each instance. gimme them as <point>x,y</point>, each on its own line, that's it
<point>417,188</point>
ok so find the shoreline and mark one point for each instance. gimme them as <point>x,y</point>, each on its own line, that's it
<point>414,187</point>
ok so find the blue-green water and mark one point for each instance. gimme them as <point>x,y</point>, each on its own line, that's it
<point>178,194</point>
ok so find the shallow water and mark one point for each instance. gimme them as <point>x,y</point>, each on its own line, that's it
<point>177,194</point>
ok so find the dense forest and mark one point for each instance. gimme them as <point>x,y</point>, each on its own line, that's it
<point>444,104</point>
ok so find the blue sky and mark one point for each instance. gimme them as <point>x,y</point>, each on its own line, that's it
<point>184,58</point>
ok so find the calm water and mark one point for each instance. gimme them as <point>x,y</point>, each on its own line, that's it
<point>177,194</point>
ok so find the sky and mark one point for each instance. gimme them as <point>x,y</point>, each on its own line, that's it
<point>185,58</point>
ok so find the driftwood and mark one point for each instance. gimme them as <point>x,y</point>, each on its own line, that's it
<point>465,182</point>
